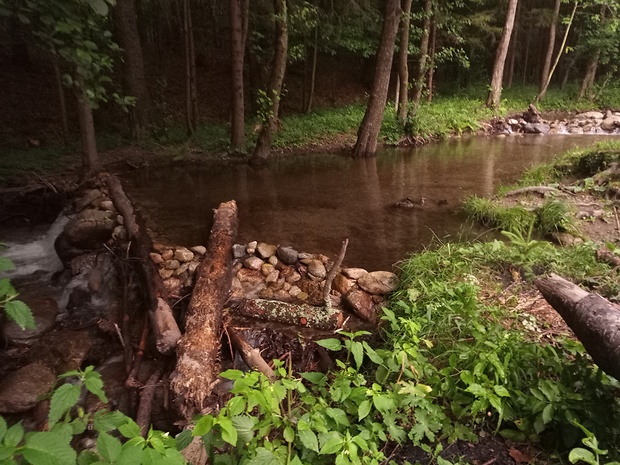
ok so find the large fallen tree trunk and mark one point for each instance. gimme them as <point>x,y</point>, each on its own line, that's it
<point>594,320</point>
<point>199,348</point>
<point>164,325</point>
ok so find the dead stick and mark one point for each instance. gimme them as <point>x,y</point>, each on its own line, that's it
<point>332,274</point>
<point>143,418</point>
<point>133,374</point>
<point>617,221</point>
<point>249,354</point>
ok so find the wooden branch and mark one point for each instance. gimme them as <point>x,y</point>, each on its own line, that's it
<point>594,320</point>
<point>249,354</point>
<point>541,190</point>
<point>291,314</point>
<point>199,348</point>
<point>143,418</point>
<point>165,327</point>
<point>332,274</point>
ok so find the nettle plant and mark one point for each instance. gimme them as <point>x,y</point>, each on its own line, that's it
<point>14,309</point>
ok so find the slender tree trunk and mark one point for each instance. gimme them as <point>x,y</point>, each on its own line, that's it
<point>134,78</point>
<point>90,156</point>
<point>418,85</point>
<point>190,70</point>
<point>403,68</point>
<point>368,132</point>
<point>526,59</point>
<point>237,47</point>
<point>588,79</point>
<point>550,46</point>
<point>514,45</point>
<point>431,64</point>
<point>495,92</point>
<point>315,51</point>
<point>543,90</point>
<point>62,106</point>
<point>270,125</point>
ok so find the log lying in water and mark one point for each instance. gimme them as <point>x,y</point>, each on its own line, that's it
<point>164,325</point>
<point>291,314</point>
<point>198,351</point>
<point>594,320</point>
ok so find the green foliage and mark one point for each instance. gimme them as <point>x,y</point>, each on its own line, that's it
<point>119,439</point>
<point>14,309</point>
<point>592,454</point>
<point>492,214</point>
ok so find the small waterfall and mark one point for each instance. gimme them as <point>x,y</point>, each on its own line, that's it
<point>37,254</point>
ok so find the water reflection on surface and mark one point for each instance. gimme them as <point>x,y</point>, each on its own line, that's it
<point>314,202</point>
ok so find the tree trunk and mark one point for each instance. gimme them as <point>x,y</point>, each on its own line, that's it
<point>271,123</point>
<point>62,106</point>
<point>418,85</point>
<point>543,91</point>
<point>368,132</point>
<point>594,320</point>
<point>134,78</point>
<point>403,68</point>
<point>237,48</point>
<point>315,50</point>
<point>495,92</point>
<point>90,156</point>
<point>190,70</point>
<point>431,64</point>
<point>550,46</point>
<point>514,45</point>
<point>198,350</point>
<point>590,76</point>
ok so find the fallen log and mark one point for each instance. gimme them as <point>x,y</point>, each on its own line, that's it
<point>292,314</point>
<point>540,190</point>
<point>164,325</point>
<point>198,351</point>
<point>250,355</point>
<point>594,320</point>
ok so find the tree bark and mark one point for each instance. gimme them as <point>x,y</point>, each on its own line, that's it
<point>249,354</point>
<point>495,92</point>
<point>550,46</point>
<point>271,123</point>
<point>403,67</point>
<point>315,50</point>
<point>590,76</point>
<point>90,156</point>
<point>164,325</point>
<point>237,48</point>
<point>198,350</point>
<point>594,320</point>
<point>368,132</point>
<point>62,106</point>
<point>418,85</point>
<point>134,78</point>
<point>190,70</point>
<point>431,64</point>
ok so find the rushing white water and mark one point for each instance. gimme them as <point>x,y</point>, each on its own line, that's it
<point>35,254</point>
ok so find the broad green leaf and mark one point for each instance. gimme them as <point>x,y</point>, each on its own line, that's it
<point>131,454</point>
<point>501,391</point>
<point>232,374</point>
<point>315,378</point>
<point>3,428</point>
<point>184,439</point>
<point>6,289</point>
<point>229,433</point>
<point>372,355</point>
<point>99,6</point>
<point>14,435</point>
<point>236,405</point>
<point>330,344</point>
<point>308,439</point>
<point>513,435</point>
<point>264,457</point>
<point>130,429</point>
<point>357,349</point>
<point>364,409</point>
<point>289,434</point>
<point>547,414</point>
<point>19,312</point>
<point>50,449</point>
<point>584,455</point>
<point>245,427</point>
<point>333,445</point>
<point>477,390</point>
<point>203,426</point>
<point>338,415</point>
<point>65,397</point>
<point>107,421</point>
<point>108,447</point>
<point>94,384</point>
<point>87,457</point>
<point>383,403</point>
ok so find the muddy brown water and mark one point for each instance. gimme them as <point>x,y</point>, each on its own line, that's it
<point>314,202</point>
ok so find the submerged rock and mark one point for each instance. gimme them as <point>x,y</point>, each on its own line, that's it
<point>23,389</point>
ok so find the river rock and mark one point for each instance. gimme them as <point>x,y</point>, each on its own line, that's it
<point>610,123</point>
<point>272,277</point>
<point>239,250</point>
<point>107,205</point>
<point>379,282</point>
<point>273,260</point>
<point>360,303</point>
<point>183,254</point>
<point>536,128</point>
<point>354,273</point>
<point>173,286</point>
<point>251,247</point>
<point>266,269</point>
<point>265,250</point>
<point>62,350</point>
<point>199,250</point>
<point>167,254</point>
<point>87,199</point>
<point>287,254</point>
<point>342,284</point>
<point>44,311</point>
<point>120,233</point>
<point>317,269</point>
<point>21,390</point>
<point>294,291</point>
<point>89,229</point>
<point>253,263</point>
<point>164,273</point>
<point>172,264</point>
<point>251,281</point>
<point>156,258</point>
<point>592,115</point>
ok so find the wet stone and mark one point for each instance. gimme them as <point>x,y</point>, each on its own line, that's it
<point>62,350</point>
<point>183,255</point>
<point>287,254</point>
<point>265,250</point>
<point>362,305</point>
<point>21,390</point>
<point>378,282</point>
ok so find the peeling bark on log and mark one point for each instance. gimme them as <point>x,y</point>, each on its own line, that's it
<point>198,351</point>
<point>594,320</point>
<point>540,190</point>
<point>164,325</point>
<point>291,314</point>
<point>249,354</point>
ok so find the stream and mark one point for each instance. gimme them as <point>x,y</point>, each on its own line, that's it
<point>314,202</point>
